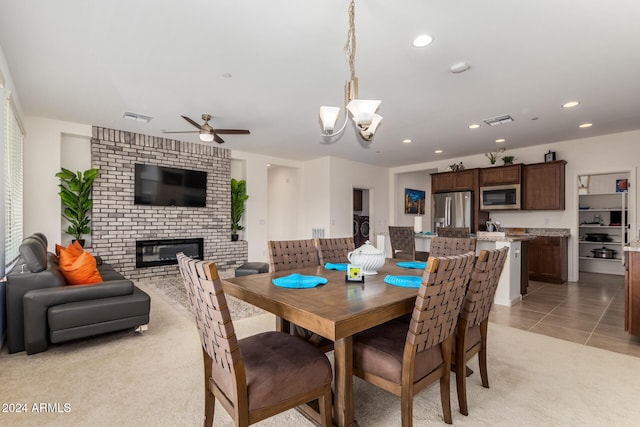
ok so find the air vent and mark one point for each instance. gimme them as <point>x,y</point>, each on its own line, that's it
<point>498,120</point>
<point>137,117</point>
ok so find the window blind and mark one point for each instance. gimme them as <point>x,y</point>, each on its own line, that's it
<point>13,184</point>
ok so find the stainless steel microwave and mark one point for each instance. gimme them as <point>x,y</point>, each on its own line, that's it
<point>500,197</point>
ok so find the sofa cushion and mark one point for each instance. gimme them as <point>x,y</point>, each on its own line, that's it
<point>74,249</point>
<point>34,254</point>
<point>79,270</point>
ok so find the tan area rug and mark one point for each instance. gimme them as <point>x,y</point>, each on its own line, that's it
<point>154,379</point>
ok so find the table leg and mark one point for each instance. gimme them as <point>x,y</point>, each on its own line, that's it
<point>343,414</point>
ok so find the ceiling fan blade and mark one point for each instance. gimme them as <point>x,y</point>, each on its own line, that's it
<point>179,131</point>
<point>217,139</point>
<point>192,122</point>
<point>232,131</point>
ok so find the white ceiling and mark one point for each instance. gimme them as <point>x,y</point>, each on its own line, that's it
<point>89,61</point>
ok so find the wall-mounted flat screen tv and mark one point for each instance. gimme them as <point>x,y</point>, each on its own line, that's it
<point>164,186</point>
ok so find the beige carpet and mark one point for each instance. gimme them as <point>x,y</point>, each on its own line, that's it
<point>154,379</point>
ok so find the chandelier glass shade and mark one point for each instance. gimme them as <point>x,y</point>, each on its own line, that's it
<point>363,111</point>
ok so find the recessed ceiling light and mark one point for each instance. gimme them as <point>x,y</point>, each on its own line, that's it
<point>570,104</point>
<point>500,140</point>
<point>586,125</point>
<point>406,141</point>
<point>474,126</point>
<point>422,40</point>
<point>268,165</point>
<point>438,151</point>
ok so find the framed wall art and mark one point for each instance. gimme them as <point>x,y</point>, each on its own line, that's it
<point>414,201</point>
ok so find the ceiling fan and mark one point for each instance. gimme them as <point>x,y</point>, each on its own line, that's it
<point>207,133</point>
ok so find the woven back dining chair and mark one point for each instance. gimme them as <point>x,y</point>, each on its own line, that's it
<point>454,232</point>
<point>473,322</point>
<point>335,249</point>
<point>292,254</point>
<point>403,244</point>
<point>255,377</point>
<point>404,358</point>
<point>444,246</point>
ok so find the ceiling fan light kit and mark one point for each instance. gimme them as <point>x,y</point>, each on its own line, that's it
<point>207,133</point>
<point>363,111</point>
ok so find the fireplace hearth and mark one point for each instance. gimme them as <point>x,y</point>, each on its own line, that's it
<point>150,253</point>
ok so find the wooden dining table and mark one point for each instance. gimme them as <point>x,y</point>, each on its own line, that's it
<point>336,310</point>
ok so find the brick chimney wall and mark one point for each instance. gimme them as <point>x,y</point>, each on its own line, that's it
<point>117,222</point>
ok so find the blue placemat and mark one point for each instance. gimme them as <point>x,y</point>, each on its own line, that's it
<point>413,264</point>
<point>298,281</point>
<point>332,266</point>
<point>404,281</point>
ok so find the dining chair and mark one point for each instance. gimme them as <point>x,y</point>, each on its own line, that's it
<point>335,249</point>
<point>403,244</point>
<point>258,376</point>
<point>473,322</point>
<point>291,255</point>
<point>444,246</point>
<point>454,232</point>
<point>404,358</point>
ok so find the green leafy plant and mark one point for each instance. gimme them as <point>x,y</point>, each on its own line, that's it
<point>508,160</point>
<point>75,193</point>
<point>494,156</point>
<point>238,197</point>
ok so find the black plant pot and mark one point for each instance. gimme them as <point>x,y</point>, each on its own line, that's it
<point>81,241</point>
<point>234,237</point>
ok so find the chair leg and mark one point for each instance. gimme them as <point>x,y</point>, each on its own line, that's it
<point>461,367</point>
<point>209,398</point>
<point>406,406</point>
<point>324,404</point>
<point>445,387</point>
<point>482,356</point>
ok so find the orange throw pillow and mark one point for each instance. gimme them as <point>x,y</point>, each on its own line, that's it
<point>75,249</point>
<point>80,269</point>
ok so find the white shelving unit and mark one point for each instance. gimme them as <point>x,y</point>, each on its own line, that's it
<point>607,214</point>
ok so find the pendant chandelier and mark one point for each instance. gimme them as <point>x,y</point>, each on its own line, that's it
<point>363,111</point>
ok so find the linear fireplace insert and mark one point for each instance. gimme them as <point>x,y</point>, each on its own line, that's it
<point>151,253</point>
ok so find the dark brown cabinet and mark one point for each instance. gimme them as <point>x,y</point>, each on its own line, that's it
<point>543,186</point>
<point>548,259</point>
<point>464,180</point>
<point>501,175</point>
<point>632,293</point>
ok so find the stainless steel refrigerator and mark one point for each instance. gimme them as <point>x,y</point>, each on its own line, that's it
<point>452,210</point>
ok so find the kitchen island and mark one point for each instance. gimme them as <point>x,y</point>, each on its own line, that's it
<point>509,287</point>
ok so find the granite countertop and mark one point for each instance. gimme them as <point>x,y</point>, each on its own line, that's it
<point>550,232</point>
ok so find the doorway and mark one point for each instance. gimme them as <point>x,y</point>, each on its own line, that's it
<point>361,229</point>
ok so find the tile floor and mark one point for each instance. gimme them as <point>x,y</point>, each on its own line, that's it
<point>589,312</point>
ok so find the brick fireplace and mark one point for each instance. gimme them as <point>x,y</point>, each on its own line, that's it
<point>117,223</point>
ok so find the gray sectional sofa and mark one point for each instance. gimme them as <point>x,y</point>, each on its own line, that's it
<point>43,309</point>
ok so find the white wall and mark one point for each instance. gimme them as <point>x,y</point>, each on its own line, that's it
<point>420,180</point>
<point>42,153</point>
<point>618,152</point>
<point>283,204</point>
<point>256,215</point>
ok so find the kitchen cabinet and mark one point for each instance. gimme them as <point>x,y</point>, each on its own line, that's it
<point>501,175</point>
<point>602,223</point>
<point>543,186</point>
<point>632,293</point>
<point>464,180</point>
<point>548,259</point>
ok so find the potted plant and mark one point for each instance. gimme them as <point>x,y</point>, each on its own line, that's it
<point>508,160</point>
<point>494,156</point>
<point>238,197</point>
<point>75,193</point>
